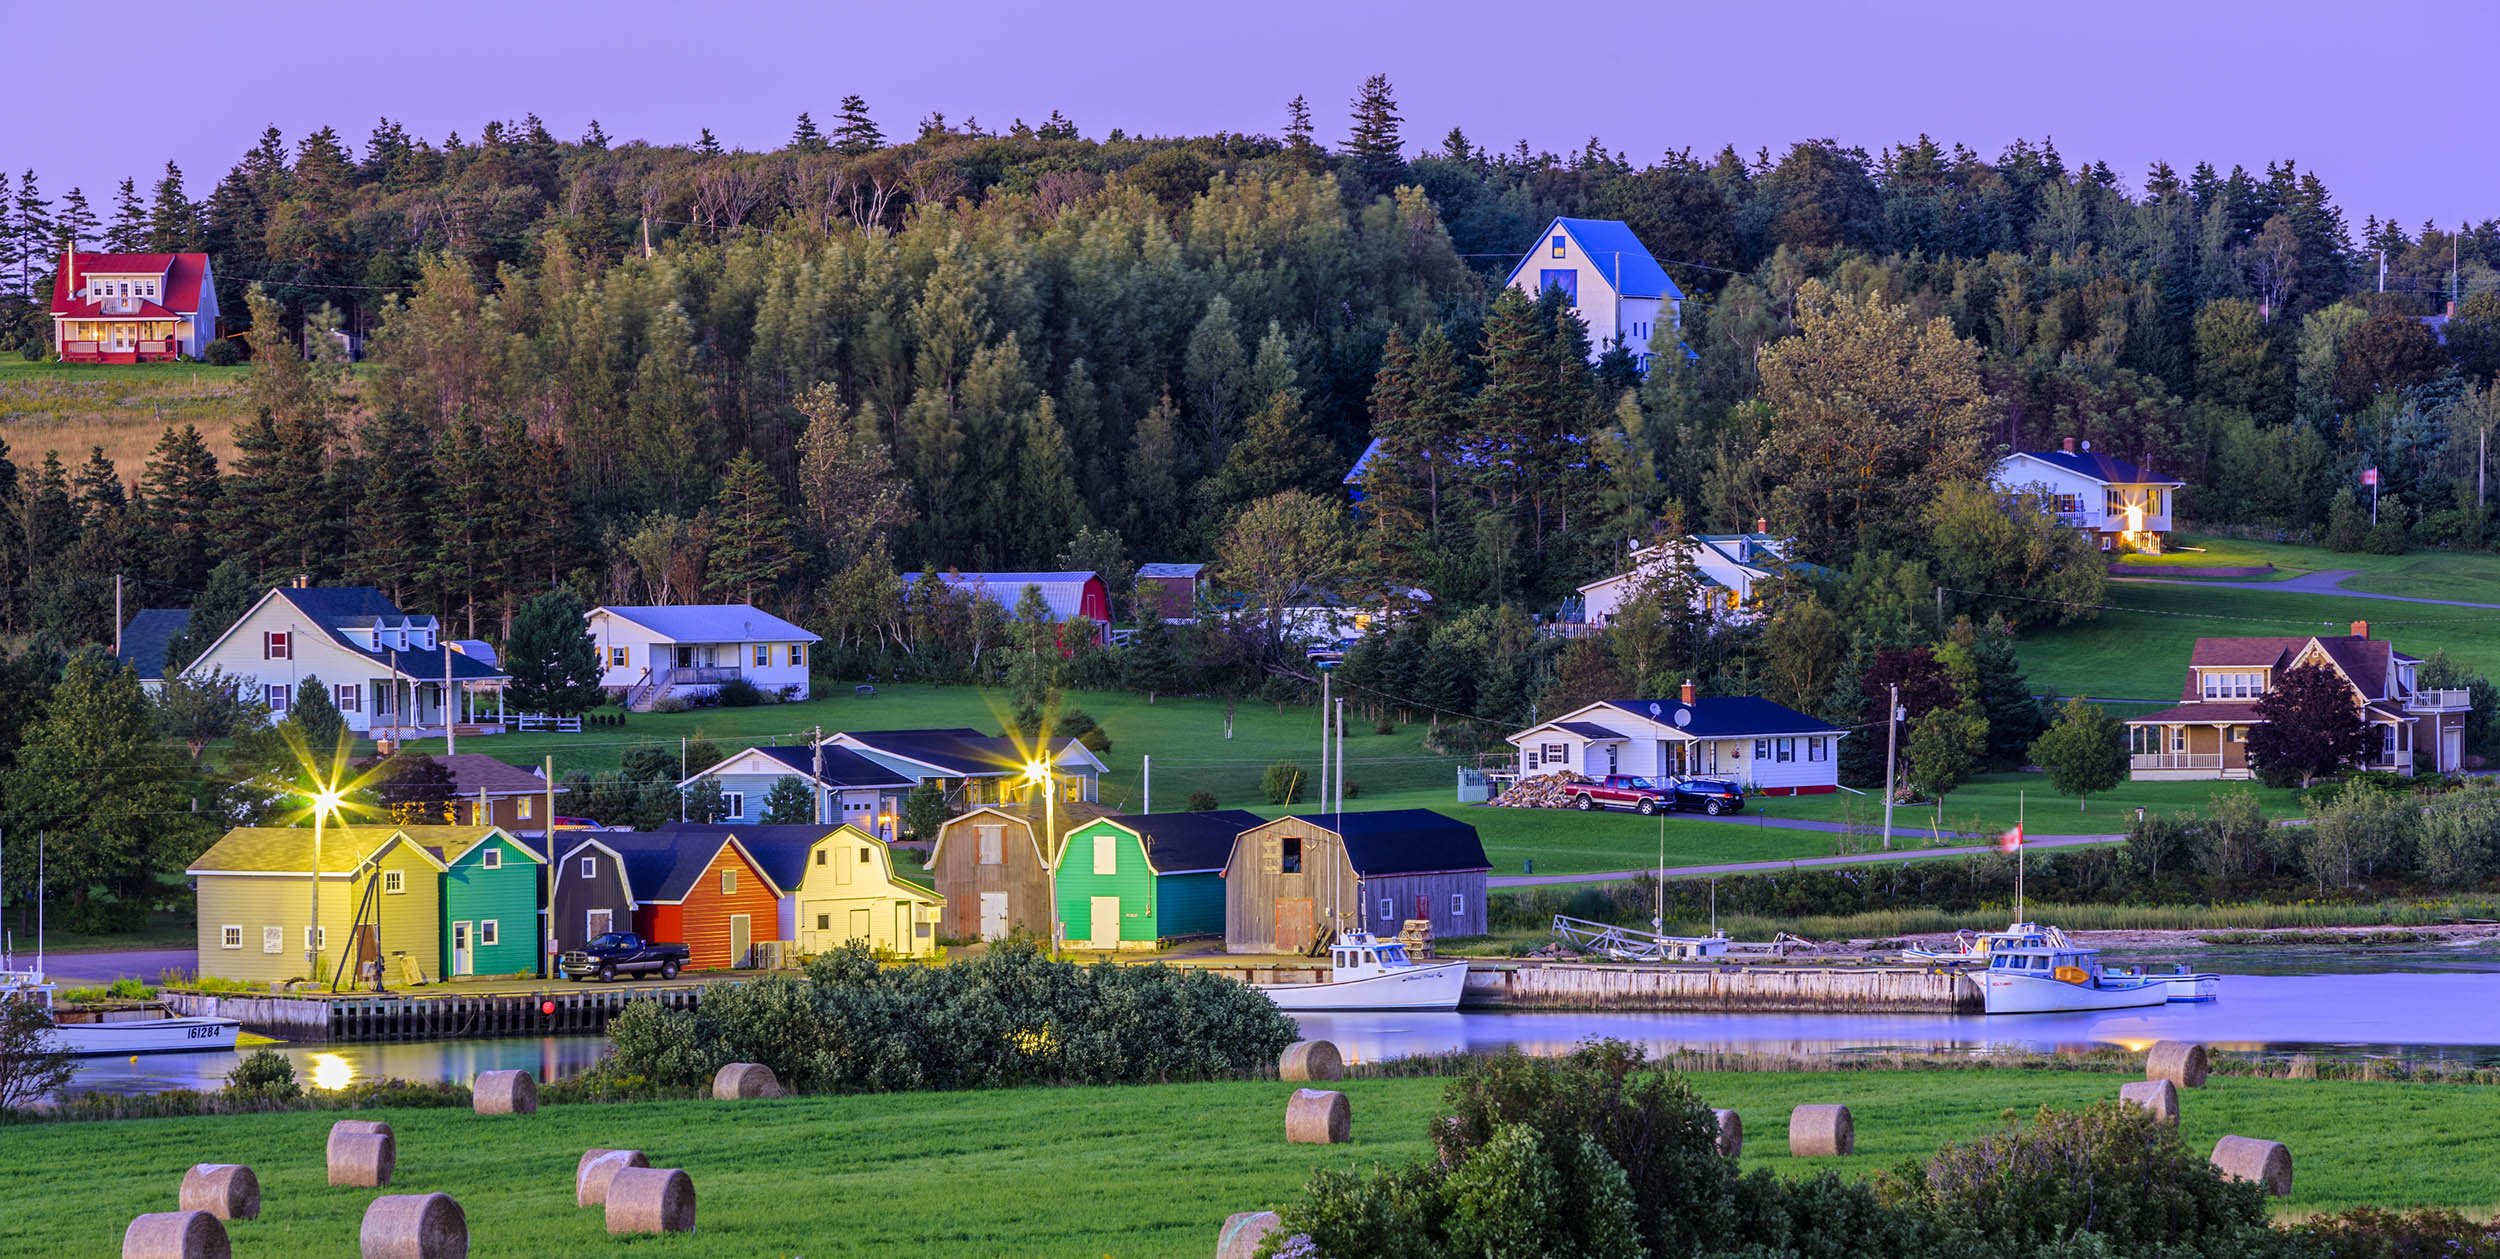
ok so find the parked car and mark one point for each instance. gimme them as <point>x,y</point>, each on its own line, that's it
<point>1646,796</point>
<point>622,953</point>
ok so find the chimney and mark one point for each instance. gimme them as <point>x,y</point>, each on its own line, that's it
<point>2070,445</point>
<point>1761,524</point>
<point>303,581</point>
<point>1687,696</point>
<point>2361,629</point>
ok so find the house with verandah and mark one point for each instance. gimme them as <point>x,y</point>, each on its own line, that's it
<point>2122,506</point>
<point>132,308</point>
<point>649,653</point>
<point>390,673</point>
<point>2205,735</point>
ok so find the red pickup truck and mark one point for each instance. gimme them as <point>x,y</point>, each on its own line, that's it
<point>1647,796</point>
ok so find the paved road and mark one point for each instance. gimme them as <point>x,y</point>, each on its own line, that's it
<point>1798,863</point>
<point>2330,582</point>
<point>105,967</point>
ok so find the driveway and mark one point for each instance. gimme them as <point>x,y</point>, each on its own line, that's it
<point>2330,582</point>
<point>1798,863</point>
<point>105,967</point>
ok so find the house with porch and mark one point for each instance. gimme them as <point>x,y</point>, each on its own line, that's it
<point>975,768</point>
<point>646,653</point>
<point>2206,734</point>
<point>850,788</point>
<point>132,308</point>
<point>1767,748</point>
<point>2123,506</point>
<point>1727,568</point>
<point>1612,282</point>
<point>388,671</point>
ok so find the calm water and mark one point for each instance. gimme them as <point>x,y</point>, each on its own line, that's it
<point>2422,1014</point>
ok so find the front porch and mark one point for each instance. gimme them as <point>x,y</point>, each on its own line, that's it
<point>400,709</point>
<point>2176,751</point>
<point>162,350</point>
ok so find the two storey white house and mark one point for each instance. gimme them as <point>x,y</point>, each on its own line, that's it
<point>389,672</point>
<point>2125,506</point>
<point>648,652</point>
<point>1727,567</point>
<point>1617,288</point>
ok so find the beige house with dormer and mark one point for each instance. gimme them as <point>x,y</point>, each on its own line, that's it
<point>2206,734</point>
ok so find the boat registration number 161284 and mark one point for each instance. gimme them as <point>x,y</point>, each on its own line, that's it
<point>205,1031</point>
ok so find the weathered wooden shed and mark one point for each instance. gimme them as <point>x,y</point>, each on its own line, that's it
<point>1291,883</point>
<point>990,867</point>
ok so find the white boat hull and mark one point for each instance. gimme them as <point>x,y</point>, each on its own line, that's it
<point>1435,987</point>
<point>145,1036</point>
<point>2193,987</point>
<point>2009,993</point>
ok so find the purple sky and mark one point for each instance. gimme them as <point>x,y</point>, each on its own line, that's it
<point>2387,102</point>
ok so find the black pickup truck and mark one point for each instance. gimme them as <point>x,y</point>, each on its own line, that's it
<point>622,953</point>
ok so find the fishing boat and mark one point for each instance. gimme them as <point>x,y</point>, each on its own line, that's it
<point>2051,979</point>
<point>119,1031</point>
<point>1369,973</point>
<point>1972,948</point>
<point>2184,984</point>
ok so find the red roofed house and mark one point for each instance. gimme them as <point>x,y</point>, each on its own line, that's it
<point>2206,736</point>
<point>132,308</point>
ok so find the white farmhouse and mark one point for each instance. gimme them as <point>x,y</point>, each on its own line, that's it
<point>388,671</point>
<point>648,652</point>
<point>1616,287</point>
<point>2126,507</point>
<point>1769,749</point>
<point>1727,566</point>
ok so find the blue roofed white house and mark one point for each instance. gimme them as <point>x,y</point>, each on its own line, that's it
<point>649,652</point>
<point>1768,748</point>
<point>849,787</point>
<point>2125,506</point>
<point>1728,569</point>
<point>1617,288</point>
<point>389,672</point>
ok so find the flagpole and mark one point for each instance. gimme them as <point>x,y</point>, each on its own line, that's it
<point>2019,795</point>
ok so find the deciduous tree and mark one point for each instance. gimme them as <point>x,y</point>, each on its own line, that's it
<point>2084,750</point>
<point>2308,725</point>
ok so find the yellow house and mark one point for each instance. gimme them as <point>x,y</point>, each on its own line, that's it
<point>839,885</point>
<point>381,898</point>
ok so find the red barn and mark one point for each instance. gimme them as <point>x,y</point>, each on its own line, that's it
<point>703,891</point>
<point>132,308</point>
<point>1068,595</point>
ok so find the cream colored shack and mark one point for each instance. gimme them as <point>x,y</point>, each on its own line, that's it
<point>255,902</point>
<point>851,892</point>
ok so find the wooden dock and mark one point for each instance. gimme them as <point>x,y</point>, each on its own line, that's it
<point>569,1011</point>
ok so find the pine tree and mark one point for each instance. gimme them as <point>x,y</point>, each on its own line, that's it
<point>179,487</point>
<point>13,557</point>
<point>76,223</point>
<point>1279,453</point>
<point>1374,152</point>
<point>1154,475</point>
<point>111,798</point>
<point>858,133</point>
<point>1048,508</point>
<point>1215,373</point>
<point>595,138</point>
<point>851,497</point>
<point>708,145</point>
<point>1298,124</point>
<point>672,438</point>
<point>553,661</point>
<point>805,138</point>
<point>173,222</point>
<point>751,550</point>
<point>129,231</point>
<point>314,718</point>
<point>30,234</point>
<point>394,504</point>
<point>791,802</point>
<point>230,591</point>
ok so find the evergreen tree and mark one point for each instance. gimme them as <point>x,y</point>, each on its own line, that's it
<point>1374,152</point>
<point>851,496</point>
<point>313,721</point>
<point>672,436</point>
<point>790,802</point>
<point>128,233</point>
<point>805,138</point>
<point>173,222</point>
<point>858,134</point>
<point>230,591</point>
<point>13,554</point>
<point>29,236</point>
<point>552,659</point>
<point>708,145</point>
<point>394,504</point>
<point>76,223</point>
<point>1049,509</point>
<point>751,550</point>
<point>1215,372</point>
<point>1279,453</point>
<point>180,489</point>
<point>1154,474</point>
<point>1152,662</point>
<point>111,799</point>
<point>1298,124</point>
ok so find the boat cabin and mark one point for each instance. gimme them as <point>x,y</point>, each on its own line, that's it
<point>2070,963</point>
<point>1358,954</point>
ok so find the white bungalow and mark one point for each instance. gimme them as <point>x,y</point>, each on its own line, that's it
<point>648,652</point>
<point>1768,748</point>
<point>388,671</point>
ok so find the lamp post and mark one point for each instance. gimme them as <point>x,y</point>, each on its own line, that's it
<point>1038,773</point>
<point>324,802</point>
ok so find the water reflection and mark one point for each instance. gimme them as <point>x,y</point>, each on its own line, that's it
<point>335,1066</point>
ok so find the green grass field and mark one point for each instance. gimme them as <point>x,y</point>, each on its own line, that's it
<point>1990,803</point>
<point>70,407</point>
<point>1103,1171</point>
<point>2472,576</point>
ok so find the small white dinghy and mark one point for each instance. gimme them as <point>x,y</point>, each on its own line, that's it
<point>2184,984</point>
<point>2050,979</point>
<point>149,1029</point>
<point>1368,973</point>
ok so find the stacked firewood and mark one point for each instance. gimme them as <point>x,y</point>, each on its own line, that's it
<point>1543,791</point>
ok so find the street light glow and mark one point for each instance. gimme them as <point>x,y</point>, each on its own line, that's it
<point>326,800</point>
<point>1036,772</point>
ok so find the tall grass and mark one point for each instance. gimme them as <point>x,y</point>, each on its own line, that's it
<point>1890,923</point>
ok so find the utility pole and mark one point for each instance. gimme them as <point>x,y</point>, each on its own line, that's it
<point>451,733</point>
<point>1324,676</point>
<point>1336,908</point>
<point>681,778</point>
<point>547,916</point>
<point>1147,774</point>
<point>1892,730</point>
<point>817,785</point>
<point>117,614</point>
<point>2382,270</point>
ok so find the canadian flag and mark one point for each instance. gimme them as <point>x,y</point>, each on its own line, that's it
<point>2011,840</point>
<point>2369,476</point>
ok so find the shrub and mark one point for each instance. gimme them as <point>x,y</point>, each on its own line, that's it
<point>30,1068</point>
<point>222,353</point>
<point>669,704</point>
<point>1283,783</point>
<point>1202,802</point>
<point>264,1075</point>
<point>1353,790</point>
<point>2114,1170</point>
<point>738,693</point>
<point>1384,726</point>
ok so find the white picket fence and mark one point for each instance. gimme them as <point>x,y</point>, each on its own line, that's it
<point>542,721</point>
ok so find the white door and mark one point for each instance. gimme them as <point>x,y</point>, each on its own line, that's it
<point>1106,923</point>
<point>993,915</point>
<point>461,963</point>
<point>2451,751</point>
<point>741,936</point>
<point>598,925</point>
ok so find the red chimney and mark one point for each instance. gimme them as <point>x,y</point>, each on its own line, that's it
<point>1688,691</point>
<point>1761,524</point>
<point>2070,445</point>
<point>2361,629</point>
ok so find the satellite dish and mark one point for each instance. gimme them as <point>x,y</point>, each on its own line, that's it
<point>1654,710</point>
<point>1683,717</point>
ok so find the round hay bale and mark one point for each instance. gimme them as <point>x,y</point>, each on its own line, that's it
<point>740,1081</point>
<point>228,1191</point>
<point>504,1093</point>
<point>1821,1132</point>
<point>1309,1060</point>
<point>362,1160</point>
<point>2265,1162</point>
<point>1318,1117</point>
<point>2181,1062</point>
<point>2301,1067</point>
<point>1731,1133</point>
<point>1243,1232</point>
<point>176,1235</point>
<point>2158,1096</point>
<point>414,1226</point>
<point>650,1200</point>
<point>598,1168</point>
<point>354,1127</point>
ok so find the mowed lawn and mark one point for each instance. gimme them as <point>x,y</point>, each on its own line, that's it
<point>2137,649</point>
<point>1990,804</point>
<point>2471,576</point>
<point>1129,1172</point>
